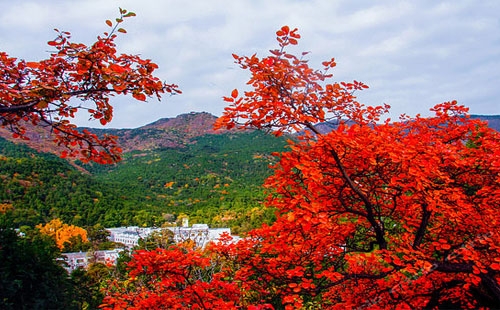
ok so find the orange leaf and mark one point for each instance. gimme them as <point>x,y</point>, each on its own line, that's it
<point>139,96</point>
<point>33,65</point>
<point>234,93</point>
<point>495,266</point>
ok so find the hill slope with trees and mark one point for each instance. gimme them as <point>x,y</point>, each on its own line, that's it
<point>214,178</point>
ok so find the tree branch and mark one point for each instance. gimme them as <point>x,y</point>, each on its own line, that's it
<point>426,214</point>
<point>18,108</point>
<point>379,232</point>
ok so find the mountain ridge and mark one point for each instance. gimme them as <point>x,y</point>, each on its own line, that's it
<point>165,132</point>
<point>173,132</point>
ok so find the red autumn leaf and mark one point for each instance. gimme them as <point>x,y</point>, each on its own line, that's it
<point>139,96</point>
<point>34,65</point>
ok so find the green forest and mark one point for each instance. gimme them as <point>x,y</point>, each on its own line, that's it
<point>215,179</point>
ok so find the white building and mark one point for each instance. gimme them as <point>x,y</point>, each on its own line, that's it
<point>75,260</point>
<point>130,235</point>
<point>200,234</point>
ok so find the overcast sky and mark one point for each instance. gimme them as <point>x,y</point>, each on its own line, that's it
<point>412,54</point>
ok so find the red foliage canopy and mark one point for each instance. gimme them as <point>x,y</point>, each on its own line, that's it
<point>395,215</point>
<point>173,278</point>
<point>43,93</point>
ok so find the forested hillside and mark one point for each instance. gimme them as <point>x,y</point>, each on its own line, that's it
<point>213,178</point>
<point>41,186</point>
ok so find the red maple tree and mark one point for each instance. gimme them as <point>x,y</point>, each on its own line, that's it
<point>46,93</point>
<point>394,215</point>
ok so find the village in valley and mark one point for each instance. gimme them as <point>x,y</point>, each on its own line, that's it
<point>196,235</point>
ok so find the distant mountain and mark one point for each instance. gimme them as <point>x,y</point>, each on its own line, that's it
<point>166,132</point>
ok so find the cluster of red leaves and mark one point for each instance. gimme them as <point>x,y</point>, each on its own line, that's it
<point>398,215</point>
<point>43,93</point>
<point>173,278</point>
<point>288,95</point>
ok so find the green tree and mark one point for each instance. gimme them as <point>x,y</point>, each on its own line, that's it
<point>30,277</point>
<point>88,285</point>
